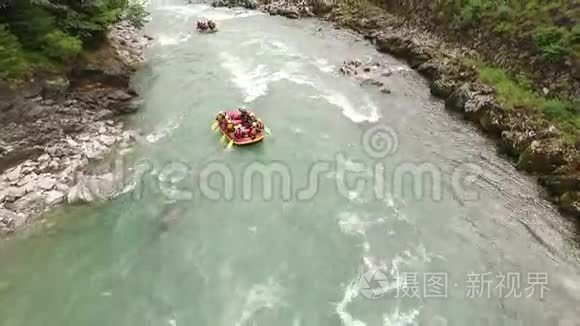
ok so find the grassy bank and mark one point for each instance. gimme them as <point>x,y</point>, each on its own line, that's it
<point>516,93</point>
<point>550,28</point>
<point>529,51</point>
<point>49,35</point>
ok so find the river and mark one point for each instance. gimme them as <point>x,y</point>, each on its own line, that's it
<point>475,246</point>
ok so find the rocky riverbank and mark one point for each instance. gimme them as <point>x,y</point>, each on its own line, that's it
<point>53,128</point>
<point>534,144</point>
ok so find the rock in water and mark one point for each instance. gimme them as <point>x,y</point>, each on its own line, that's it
<point>127,107</point>
<point>93,188</point>
<point>442,88</point>
<point>120,95</point>
<point>248,4</point>
<point>11,219</point>
<point>54,197</point>
<point>458,98</point>
<point>321,7</point>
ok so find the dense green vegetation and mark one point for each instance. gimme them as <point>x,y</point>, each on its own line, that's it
<point>540,28</point>
<point>515,92</point>
<point>48,34</point>
<point>551,26</point>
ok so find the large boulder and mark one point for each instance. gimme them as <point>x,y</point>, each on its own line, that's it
<point>321,7</point>
<point>289,12</point>
<point>55,88</point>
<point>570,203</point>
<point>458,99</point>
<point>54,197</point>
<point>560,184</point>
<point>7,96</point>
<point>477,105</point>
<point>492,121</point>
<point>248,4</point>
<point>442,88</point>
<point>515,142</point>
<point>431,70</point>
<point>103,66</point>
<point>393,43</point>
<point>543,156</point>
<point>127,107</point>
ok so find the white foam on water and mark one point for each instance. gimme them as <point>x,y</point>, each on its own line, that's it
<point>280,46</point>
<point>389,201</point>
<point>261,296</point>
<point>254,81</point>
<point>164,131</point>
<point>291,74</point>
<point>221,14</point>
<point>371,263</point>
<point>352,195</point>
<point>399,69</point>
<point>368,112</point>
<point>209,12</point>
<point>396,318</point>
<point>166,39</point>
<point>351,223</point>
<point>185,11</point>
<point>324,66</point>
<point>350,293</point>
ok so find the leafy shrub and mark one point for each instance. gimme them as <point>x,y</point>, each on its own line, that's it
<point>547,35</point>
<point>12,62</point>
<point>470,13</point>
<point>79,25</point>
<point>30,23</point>
<point>136,14</point>
<point>554,52</point>
<point>552,41</point>
<point>62,46</point>
<point>504,13</point>
<point>504,28</point>
<point>574,37</point>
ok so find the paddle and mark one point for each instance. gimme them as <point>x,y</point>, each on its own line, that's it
<point>214,126</point>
